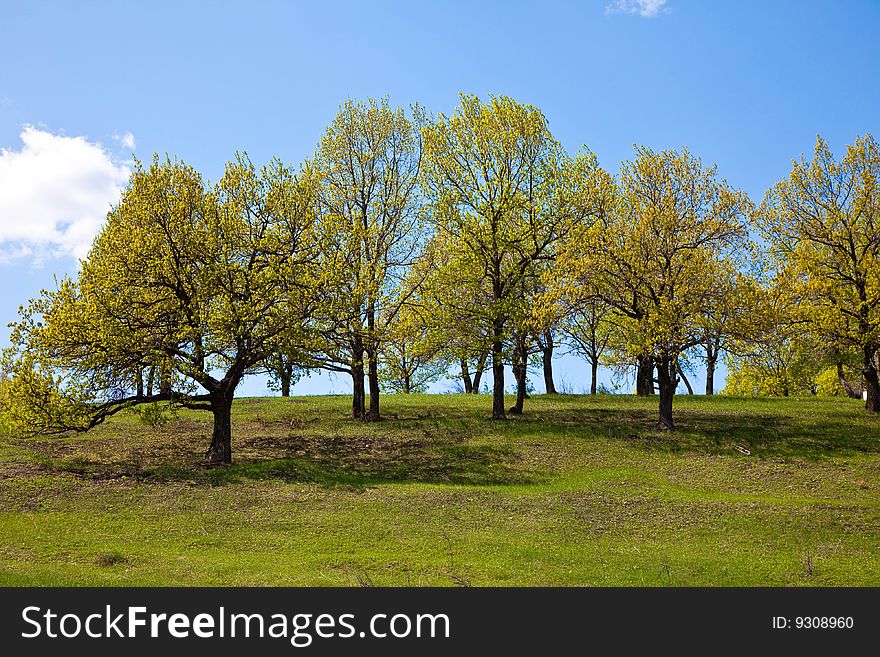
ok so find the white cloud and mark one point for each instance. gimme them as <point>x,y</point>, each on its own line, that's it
<point>644,8</point>
<point>54,195</point>
<point>126,141</point>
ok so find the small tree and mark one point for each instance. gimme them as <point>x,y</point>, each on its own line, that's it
<point>589,334</point>
<point>284,372</point>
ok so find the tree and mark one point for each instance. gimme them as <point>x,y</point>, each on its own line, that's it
<point>370,157</point>
<point>199,285</point>
<point>471,384</point>
<point>545,330</point>
<point>501,194</point>
<point>651,255</point>
<point>411,358</point>
<point>727,315</point>
<point>284,371</point>
<point>823,223</point>
<point>546,341</point>
<point>589,334</point>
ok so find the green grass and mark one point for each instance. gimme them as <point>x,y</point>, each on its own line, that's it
<point>578,491</point>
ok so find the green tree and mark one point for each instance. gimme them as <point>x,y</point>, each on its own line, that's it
<point>651,256</point>
<point>284,371</point>
<point>589,334</point>
<point>501,193</point>
<point>200,285</point>
<point>369,157</point>
<point>772,353</point>
<point>823,222</point>
<point>411,360</point>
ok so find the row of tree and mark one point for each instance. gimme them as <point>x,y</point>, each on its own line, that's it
<point>410,245</point>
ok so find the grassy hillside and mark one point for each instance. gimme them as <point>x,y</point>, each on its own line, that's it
<point>579,491</point>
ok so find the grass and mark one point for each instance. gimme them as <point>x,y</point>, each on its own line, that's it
<point>578,491</point>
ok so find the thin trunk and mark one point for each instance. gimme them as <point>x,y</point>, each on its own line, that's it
<point>373,380</point>
<point>140,383</point>
<point>408,372</point>
<point>220,450</point>
<point>372,366</point>
<point>520,371</point>
<point>547,358</point>
<point>498,372</point>
<point>644,376</point>
<point>466,377</point>
<point>151,375</point>
<point>358,409</point>
<point>481,367</point>
<point>667,383</point>
<point>594,375</point>
<point>851,392</point>
<point>710,374</point>
<point>872,380</point>
<point>687,384</point>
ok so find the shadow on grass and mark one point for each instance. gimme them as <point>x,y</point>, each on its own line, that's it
<point>769,435</point>
<point>811,432</point>
<point>331,462</point>
<point>436,446</point>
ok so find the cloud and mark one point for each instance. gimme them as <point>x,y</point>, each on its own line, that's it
<point>126,141</point>
<point>644,8</point>
<point>54,195</point>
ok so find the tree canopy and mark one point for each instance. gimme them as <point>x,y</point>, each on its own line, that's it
<point>411,244</point>
<point>200,285</point>
<point>823,226</point>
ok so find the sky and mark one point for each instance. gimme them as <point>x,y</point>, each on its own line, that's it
<point>86,87</point>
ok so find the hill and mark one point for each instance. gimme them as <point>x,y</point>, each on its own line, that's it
<point>578,491</point>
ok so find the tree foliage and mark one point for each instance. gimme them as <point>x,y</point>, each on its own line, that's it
<point>501,193</point>
<point>823,225</point>
<point>369,159</point>
<point>200,284</point>
<point>651,256</point>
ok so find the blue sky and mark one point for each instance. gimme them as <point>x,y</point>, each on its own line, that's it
<point>746,85</point>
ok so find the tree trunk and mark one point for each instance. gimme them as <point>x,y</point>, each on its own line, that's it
<point>358,397</point>
<point>220,450</point>
<point>710,374</point>
<point>520,371</point>
<point>851,392</point>
<point>358,409</point>
<point>498,372</point>
<point>644,376</point>
<point>372,350</point>
<point>687,384</point>
<point>140,383</point>
<point>285,374</point>
<point>466,377</point>
<point>594,375</point>
<point>151,375</point>
<point>872,381</point>
<point>667,380</point>
<point>373,379</point>
<point>478,375</point>
<point>547,358</point>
